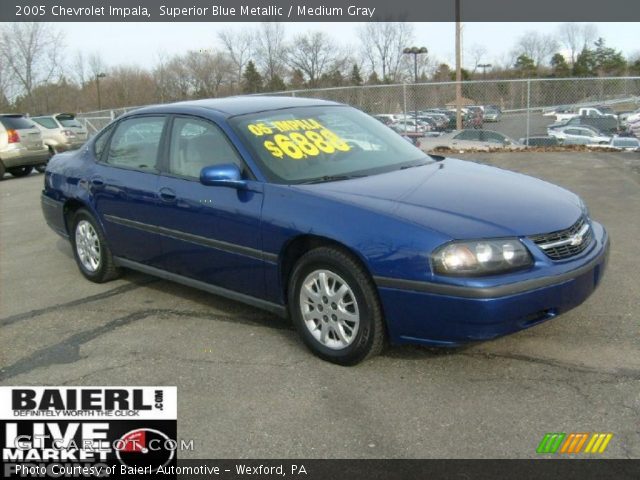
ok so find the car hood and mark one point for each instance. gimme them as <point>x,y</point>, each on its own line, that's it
<point>461,199</point>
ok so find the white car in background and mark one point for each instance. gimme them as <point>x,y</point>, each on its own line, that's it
<point>470,139</point>
<point>572,135</point>
<point>633,117</point>
<point>627,144</point>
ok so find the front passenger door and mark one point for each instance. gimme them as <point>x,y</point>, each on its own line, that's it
<point>212,232</point>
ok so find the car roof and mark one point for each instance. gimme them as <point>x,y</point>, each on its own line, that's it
<point>241,105</point>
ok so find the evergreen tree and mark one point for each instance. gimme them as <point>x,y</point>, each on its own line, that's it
<point>559,65</point>
<point>608,61</point>
<point>526,65</point>
<point>276,84</point>
<point>585,65</point>
<point>373,79</point>
<point>251,79</point>
<point>355,78</point>
<point>442,73</point>
<point>297,79</point>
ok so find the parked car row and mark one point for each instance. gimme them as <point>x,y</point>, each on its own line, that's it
<point>29,142</point>
<point>432,120</point>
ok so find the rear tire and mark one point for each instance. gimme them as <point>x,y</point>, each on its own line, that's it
<point>335,307</point>
<point>20,171</point>
<point>90,249</point>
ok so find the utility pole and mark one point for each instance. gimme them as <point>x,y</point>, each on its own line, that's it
<point>98,77</point>
<point>458,69</point>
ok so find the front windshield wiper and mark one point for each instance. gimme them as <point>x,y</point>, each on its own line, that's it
<point>329,178</point>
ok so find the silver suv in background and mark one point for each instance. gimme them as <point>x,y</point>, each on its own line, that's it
<point>21,146</point>
<point>61,132</point>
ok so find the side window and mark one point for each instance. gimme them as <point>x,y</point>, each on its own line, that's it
<point>135,143</point>
<point>101,141</point>
<point>46,122</point>
<point>196,144</point>
<point>493,137</point>
<point>467,135</point>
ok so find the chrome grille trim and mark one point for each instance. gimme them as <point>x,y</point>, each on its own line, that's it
<point>566,243</point>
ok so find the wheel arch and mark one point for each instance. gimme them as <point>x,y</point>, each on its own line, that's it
<point>301,244</point>
<point>71,206</point>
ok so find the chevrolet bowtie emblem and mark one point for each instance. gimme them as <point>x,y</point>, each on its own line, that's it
<point>576,240</point>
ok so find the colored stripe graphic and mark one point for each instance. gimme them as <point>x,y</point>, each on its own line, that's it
<point>598,443</point>
<point>551,442</point>
<point>574,443</point>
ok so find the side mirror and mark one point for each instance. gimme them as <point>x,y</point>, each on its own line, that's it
<point>225,175</point>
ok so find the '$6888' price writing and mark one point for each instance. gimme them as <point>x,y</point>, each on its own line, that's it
<point>299,145</point>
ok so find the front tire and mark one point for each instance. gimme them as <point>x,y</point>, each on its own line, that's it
<point>335,307</point>
<point>20,171</point>
<point>90,249</point>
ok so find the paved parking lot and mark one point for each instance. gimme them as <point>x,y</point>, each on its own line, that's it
<point>248,388</point>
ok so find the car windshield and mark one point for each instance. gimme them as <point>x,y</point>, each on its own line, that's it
<point>309,144</point>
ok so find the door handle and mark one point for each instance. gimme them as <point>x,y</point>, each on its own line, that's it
<point>167,195</point>
<point>97,181</point>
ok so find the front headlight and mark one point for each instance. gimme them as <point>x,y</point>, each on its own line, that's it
<point>481,257</point>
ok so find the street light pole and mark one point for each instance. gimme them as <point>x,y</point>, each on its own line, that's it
<point>98,77</point>
<point>415,51</point>
<point>484,67</point>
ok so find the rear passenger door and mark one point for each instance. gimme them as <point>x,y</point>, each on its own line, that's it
<point>125,188</point>
<point>212,233</point>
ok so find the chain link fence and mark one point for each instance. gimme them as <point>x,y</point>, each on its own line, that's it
<point>522,101</point>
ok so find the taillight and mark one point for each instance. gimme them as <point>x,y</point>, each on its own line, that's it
<point>13,136</point>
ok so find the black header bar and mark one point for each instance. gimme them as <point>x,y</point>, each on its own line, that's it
<point>318,11</point>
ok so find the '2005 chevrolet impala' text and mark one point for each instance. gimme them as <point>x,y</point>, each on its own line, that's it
<point>314,210</point>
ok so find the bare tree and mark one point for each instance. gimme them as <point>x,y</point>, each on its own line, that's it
<point>315,54</point>
<point>96,65</point>
<point>575,37</point>
<point>536,46</point>
<point>175,79</point>
<point>207,71</point>
<point>31,52</point>
<point>239,46</point>
<point>79,68</point>
<point>271,50</point>
<point>382,45</point>
<point>476,53</point>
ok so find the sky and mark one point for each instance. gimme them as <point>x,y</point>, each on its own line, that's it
<point>142,43</point>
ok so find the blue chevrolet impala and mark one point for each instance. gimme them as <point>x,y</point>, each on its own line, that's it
<point>315,210</point>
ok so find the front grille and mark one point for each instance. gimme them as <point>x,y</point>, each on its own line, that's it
<point>563,244</point>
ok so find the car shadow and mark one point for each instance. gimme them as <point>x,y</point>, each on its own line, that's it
<point>418,352</point>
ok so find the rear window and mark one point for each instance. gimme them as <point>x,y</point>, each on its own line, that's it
<point>68,121</point>
<point>16,122</point>
<point>46,122</point>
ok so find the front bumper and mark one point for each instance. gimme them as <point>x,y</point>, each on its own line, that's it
<point>439,315</point>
